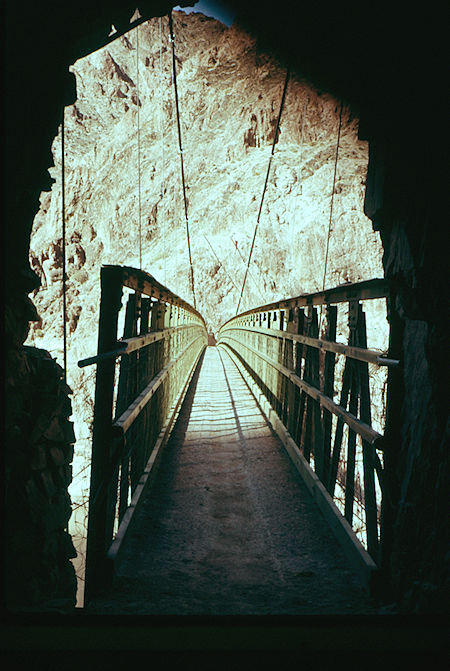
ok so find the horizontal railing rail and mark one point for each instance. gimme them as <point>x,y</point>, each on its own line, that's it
<point>370,356</point>
<point>375,288</point>
<point>135,399</point>
<point>128,345</point>
<point>319,389</point>
<point>132,412</point>
<point>356,424</point>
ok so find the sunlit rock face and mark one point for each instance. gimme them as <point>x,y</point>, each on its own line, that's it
<point>230,95</point>
<point>229,100</point>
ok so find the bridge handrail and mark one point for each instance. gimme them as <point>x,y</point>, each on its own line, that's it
<point>140,280</point>
<point>126,419</point>
<point>162,341</point>
<point>374,288</point>
<point>357,425</point>
<point>128,345</point>
<point>361,354</point>
<point>278,345</point>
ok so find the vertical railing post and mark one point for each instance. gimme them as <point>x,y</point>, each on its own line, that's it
<point>292,327</point>
<point>393,424</point>
<point>144,365</point>
<point>158,320</point>
<point>310,375</point>
<point>132,436</point>
<point>370,503</point>
<point>153,370</point>
<point>124,395</point>
<point>101,517</point>
<point>299,370</point>
<point>170,319</point>
<point>317,434</point>
<point>268,353</point>
<point>328,390</point>
<point>282,382</point>
<point>334,463</point>
<point>288,362</point>
<point>353,311</point>
<point>263,367</point>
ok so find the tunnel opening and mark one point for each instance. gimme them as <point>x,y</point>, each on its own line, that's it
<point>124,121</point>
<point>402,201</point>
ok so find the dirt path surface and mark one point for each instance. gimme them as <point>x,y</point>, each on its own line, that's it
<point>229,528</point>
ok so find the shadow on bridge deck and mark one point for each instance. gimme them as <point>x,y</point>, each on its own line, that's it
<point>229,528</point>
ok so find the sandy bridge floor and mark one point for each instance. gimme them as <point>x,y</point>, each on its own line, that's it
<point>229,528</point>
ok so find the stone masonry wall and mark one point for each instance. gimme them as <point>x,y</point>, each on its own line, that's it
<point>38,573</point>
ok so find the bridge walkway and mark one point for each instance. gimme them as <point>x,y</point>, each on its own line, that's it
<point>229,528</point>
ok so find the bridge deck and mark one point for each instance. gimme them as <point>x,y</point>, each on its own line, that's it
<point>229,527</point>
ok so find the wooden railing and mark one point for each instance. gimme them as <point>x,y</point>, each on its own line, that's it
<point>163,339</point>
<point>319,389</point>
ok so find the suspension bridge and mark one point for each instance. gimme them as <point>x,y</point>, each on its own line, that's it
<point>239,474</point>
<point>215,468</point>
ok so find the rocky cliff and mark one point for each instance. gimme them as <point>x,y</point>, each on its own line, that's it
<point>121,133</point>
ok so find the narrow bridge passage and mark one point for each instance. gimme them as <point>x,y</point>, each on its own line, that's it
<point>228,527</point>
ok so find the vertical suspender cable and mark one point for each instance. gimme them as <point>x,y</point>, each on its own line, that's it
<point>161,109</point>
<point>138,146</point>
<point>331,208</point>
<point>63,243</point>
<point>275,138</point>
<point>172,39</point>
<point>332,197</point>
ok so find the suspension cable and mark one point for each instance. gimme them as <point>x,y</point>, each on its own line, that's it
<point>161,129</point>
<point>172,39</point>
<point>275,138</point>
<point>138,147</point>
<point>332,196</point>
<point>63,243</point>
<point>331,206</point>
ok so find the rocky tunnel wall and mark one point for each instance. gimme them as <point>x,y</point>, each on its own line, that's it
<point>404,200</point>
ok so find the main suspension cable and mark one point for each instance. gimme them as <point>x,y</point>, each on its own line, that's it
<point>275,138</point>
<point>172,39</point>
